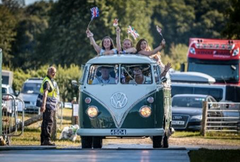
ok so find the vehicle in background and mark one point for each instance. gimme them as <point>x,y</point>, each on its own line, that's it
<point>217,91</point>
<point>215,57</point>
<point>67,105</point>
<point>219,59</point>
<point>29,94</point>
<point>191,77</point>
<point>7,94</point>
<point>187,111</point>
<point>7,77</point>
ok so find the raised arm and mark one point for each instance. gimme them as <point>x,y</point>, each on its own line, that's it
<point>131,50</point>
<point>118,41</point>
<point>90,36</point>
<point>154,51</point>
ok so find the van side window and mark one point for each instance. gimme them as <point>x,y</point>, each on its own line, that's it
<point>136,74</point>
<point>103,74</point>
<point>157,73</point>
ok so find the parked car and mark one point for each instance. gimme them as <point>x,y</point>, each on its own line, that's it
<point>29,93</point>
<point>187,111</point>
<point>68,105</point>
<point>7,102</point>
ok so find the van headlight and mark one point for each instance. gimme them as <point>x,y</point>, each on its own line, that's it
<point>145,111</point>
<point>92,111</point>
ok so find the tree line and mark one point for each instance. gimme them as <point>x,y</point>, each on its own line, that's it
<point>47,33</point>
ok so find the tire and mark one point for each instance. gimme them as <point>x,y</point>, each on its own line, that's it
<point>165,141</point>
<point>157,141</point>
<point>97,142</point>
<point>86,142</point>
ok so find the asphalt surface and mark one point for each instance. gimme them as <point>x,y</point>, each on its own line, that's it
<point>109,153</point>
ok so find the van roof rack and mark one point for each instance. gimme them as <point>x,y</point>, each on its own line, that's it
<point>191,77</point>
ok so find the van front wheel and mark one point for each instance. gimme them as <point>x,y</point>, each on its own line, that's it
<point>157,141</point>
<point>86,141</point>
<point>97,142</point>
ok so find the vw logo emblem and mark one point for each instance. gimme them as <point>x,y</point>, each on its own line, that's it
<point>118,100</point>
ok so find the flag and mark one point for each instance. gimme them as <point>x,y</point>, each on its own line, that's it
<point>95,12</point>
<point>115,22</point>
<point>133,32</point>
<point>129,29</point>
<point>159,30</point>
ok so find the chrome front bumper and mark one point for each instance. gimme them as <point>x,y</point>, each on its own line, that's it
<point>121,132</point>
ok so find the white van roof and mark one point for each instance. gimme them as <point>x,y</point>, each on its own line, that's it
<point>123,58</point>
<point>191,77</point>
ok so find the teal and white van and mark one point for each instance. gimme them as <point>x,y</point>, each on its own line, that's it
<point>120,107</point>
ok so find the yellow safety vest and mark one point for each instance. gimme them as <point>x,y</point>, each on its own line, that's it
<point>53,93</point>
<point>51,96</point>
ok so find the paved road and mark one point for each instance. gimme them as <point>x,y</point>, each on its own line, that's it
<point>94,156</point>
<point>110,153</point>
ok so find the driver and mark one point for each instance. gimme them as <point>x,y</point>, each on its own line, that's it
<point>105,77</point>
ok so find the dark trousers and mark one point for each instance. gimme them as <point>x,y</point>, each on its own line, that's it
<point>47,125</point>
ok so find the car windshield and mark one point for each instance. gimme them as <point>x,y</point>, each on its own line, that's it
<point>184,101</point>
<point>31,88</point>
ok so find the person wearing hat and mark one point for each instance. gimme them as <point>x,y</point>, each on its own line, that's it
<point>105,77</point>
<point>139,78</point>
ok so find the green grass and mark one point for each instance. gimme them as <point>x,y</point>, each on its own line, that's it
<point>205,155</point>
<point>31,135</point>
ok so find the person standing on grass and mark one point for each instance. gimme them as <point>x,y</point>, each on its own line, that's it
<point>48,107</point>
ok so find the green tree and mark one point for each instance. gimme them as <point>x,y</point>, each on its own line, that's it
<point>232,29</point>
<point>32,23</point>
<point>176,20</point>
<point>177,56</point>
<point>7,33</point>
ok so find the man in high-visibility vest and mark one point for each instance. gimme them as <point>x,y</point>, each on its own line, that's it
<point>49,101</point>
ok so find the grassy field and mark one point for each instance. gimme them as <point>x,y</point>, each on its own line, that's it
<point>31,135</point>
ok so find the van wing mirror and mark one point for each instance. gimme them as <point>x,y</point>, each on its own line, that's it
<point>74,83</point>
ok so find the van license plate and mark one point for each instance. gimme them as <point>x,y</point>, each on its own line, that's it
<point>176,122</point>
<point>118,132</point>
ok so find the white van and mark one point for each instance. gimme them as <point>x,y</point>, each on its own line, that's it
<point>121,106</point>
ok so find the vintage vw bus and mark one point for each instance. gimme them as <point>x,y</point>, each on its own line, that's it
<point>113,103</point>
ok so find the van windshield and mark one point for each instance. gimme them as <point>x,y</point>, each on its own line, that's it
<point>31,88</point>
<point>136,74</point>
<point>103,74</point>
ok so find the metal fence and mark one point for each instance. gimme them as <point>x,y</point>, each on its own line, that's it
<point>11,117</point>
<point>221,117</point>
<point>15,119</point>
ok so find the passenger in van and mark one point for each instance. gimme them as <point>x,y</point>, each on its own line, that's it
<point>139,78</point>
<point>143,48</point>
<point>105,77</point>
<point>107,44</point>
<point>164,68</point>
<point>127,45</point>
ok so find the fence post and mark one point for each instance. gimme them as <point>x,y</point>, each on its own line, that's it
<point>1,92</point>
<point>204,118</point>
